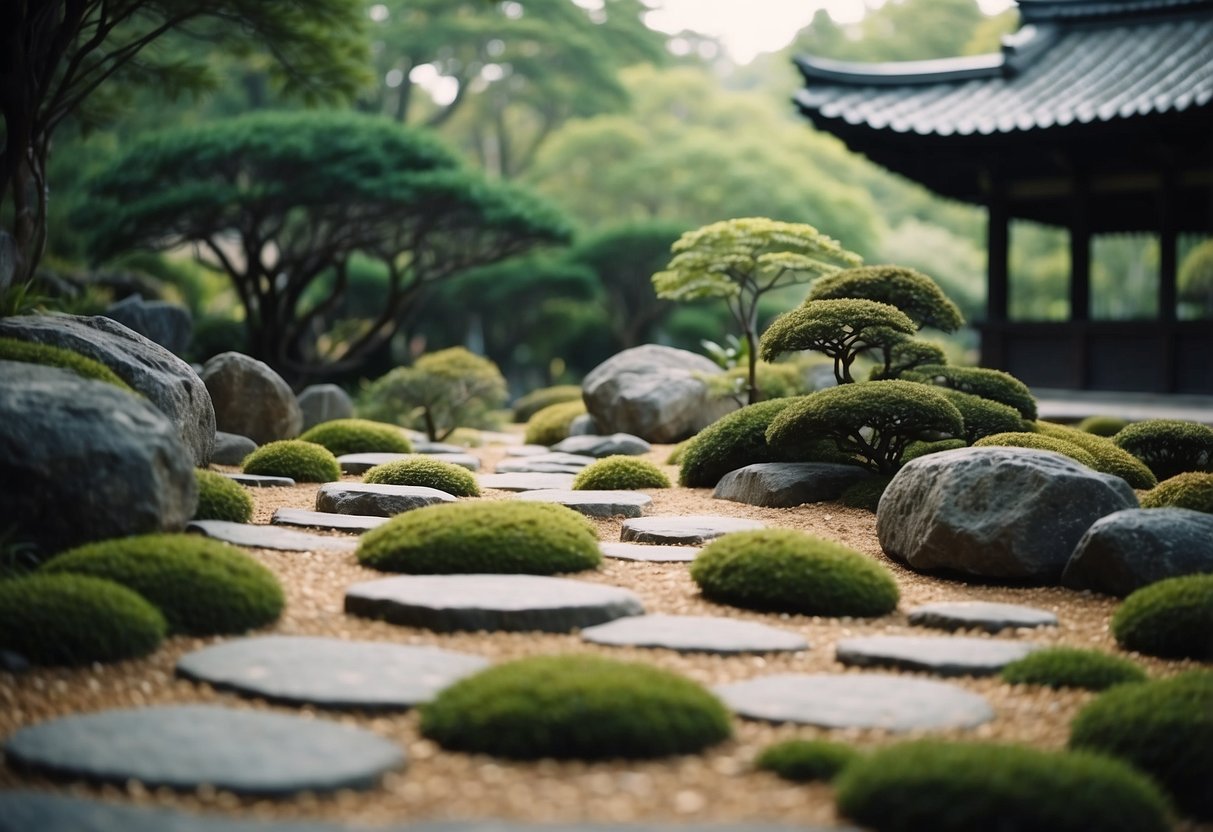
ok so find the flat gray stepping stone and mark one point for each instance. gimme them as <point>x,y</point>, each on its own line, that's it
<point>496,603</point>
<point>545,464</point>
<point>980,615</point>
<point>786,484</point>
<point>326,520</point>
<point>694,634</point>
<point>527,482</point>
<point>870,700</point>
<point>259,481</point>
<point>377,500</point>
<point>527,450</point>
<point>599,446</point>
<point>427,447</point>
<point>593,503</point>
<point>941,655</point>
<point>270,537</point>
<point>684,531</point>
<point>361,463</point>
<point>186,746</point>
<point>329,672</point>
<point>646,552</point>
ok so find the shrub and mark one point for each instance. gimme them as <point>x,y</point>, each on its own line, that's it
<point>1069,667</point>
<point>865,494</point>
<point>1109,457</point>
<point>900,357</point>
<point>1164,728</point>
<point>536,400</point>
<point>31,352</point>
<point>960,787</point>
<point>989,384</point>
<point>1172,618</point>
<point>221,498</point>
<point>294,458</point>
<point>575,707</point>
<point>483,537</point>
<point>1107,426</point>
<point>551,425</point>
<point>676,453</point>
<point>920,448</point>
<point>75,620</point>
<point>358,436</point>
<point>1190,490</point>
<point>984,417</point>
<point>915,294</point>
<point>1038,442</point>
<point>788,571</point>
<point>430,473</point>
<point>1169,446</point>
<point>806,760</point>
<point>775,381</point>
<point>622,473</point>
<point>203,587</point>
<point>733,441</point>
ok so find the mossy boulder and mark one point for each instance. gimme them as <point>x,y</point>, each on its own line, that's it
<point>1191,490</point>
<point>430,473</point>
<point>1106,426</point>
<point>782,570</point>
<point>1072,667</point>
<point>1172,618</point>
<point>358,436</point>
<point>536,400</point>
<point>1169,446</point>
<point>804,761</point>
<point>1037,442</point>
<point>1109,458</point>
<point>221,498</point>
<point>32,352</point>
<point>294,458</point>
<point>865,494</point>
<point>551,424</point>
<point>731,442</point>
<point>620,473</point>
<point>575,707</point>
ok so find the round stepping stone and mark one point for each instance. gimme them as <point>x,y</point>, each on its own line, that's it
<point>326,520</point>
<point>646,552</point>
<point>361,463</point>
<point>527,450</point>
<point>259,481</point>
<point>577,461</point>
<point>624,444</point>
<point>694,634</point>
<point>329,672</point>
<point>524,467</point>
<point>270,537</point>
<point>445,603</point>
<point>684,531</point>
<point>377,500</point>
<point>527,482</point>
<point>941,655</point>
<point>980,615</point>
<point>427,447</point>
<point>871,700</point>
<point>593,503</point>
<point>186,746</point>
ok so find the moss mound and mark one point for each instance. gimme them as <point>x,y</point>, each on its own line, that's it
<point>1109,457</point>
<point>1164,728</point>
<point>984,417</point>
<point>221,498</point>
<point>575,707</point>
<point>483,537</point>
<point>865,494</point>
<point>622,473</point>
<point>31,352</point>
<point>431,473</point>
<point>1037,442</point>
<point>294,458</point>
<point>804,761</point>
<point>203,587</point>
<point>731,442</point>
<point>788,571</point>
<point>922,448</point>
<point>979,381</point>
<point>75,620</point>
<point>536,400</point>
<point>1106,426</point>
<point>1191,490</point>
<point>1172,618</point>
<point>675,457</point>
<point>551,425</point>
<point>1069,667</point>
<point>961,787</point>
<point>1169,446</point>
<point>358,436</point>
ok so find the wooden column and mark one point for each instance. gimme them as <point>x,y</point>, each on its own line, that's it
<point>998,277</point>
<point>1167,268</point>
<point>1080,251</point>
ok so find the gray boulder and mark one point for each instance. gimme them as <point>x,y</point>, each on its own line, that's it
<point>251,399</point>
<point>654,392</point>
<point>995,512</point>
<point>1132,548</point>
<point>231,448</point>
<point>169,383</point>
<point>82,460</point>
<point>786,484</point>
<point>169,325</point>
<point>323,403</point>
<point>583,425</point>
<point>617,444</point>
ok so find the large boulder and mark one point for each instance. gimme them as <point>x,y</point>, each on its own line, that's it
<point>324,402</point>
<point>995,512</point>
<point>1132,548</point>
<point>251,399</point>
<point>84,460</point>
<point>654,392</point>
<point>168,382</point>
<point>169,325</point>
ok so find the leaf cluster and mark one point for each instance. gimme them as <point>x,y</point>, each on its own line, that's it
<point>840,329</point>
<point>980,381</point>
<point>551,424</point>
<point>528,405</point>
<point>1109,458</point>
<point>1169,446</point>
<point>983,417</point>
<point>1191,490</point>
<point>1039,442</point>
<point>915,294</point>
<point>733,441</point>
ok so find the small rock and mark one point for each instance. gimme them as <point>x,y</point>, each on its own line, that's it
<point>251,399</point>
<point>979,615</point>
<point>319,403</point>
<point>377,500</point>
<point>691,530</point>
<point>594,503</point>
<point>617,444</point>
<point>786,484</point>
<point>231,448</point>
<point>1130,549</point>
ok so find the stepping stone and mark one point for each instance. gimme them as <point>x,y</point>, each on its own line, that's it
<point>786,484</point>
<point>326,520</point>
<point>593,503</point>
<point>377,500</point>
<point>545,464</point>
<point>361,463</point>
<point>694,634</point>
<point>980,615</point>
<point>599,446</point>
<point>652,554</point>
<point>941,655</point>
<point>427,447</point>
<point>527,450</point>
<point>258,481</point>
<point>186,746</point>
<point>270,537</point>
<point>870,700</point>
<point>496,603</point>
<point>527,482</point>
<point>329,672</point>
<point>684,531</point>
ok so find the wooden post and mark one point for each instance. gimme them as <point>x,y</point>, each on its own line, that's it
<point>993,353</point>
<point>1080,251</point>
<point>1167,268</point>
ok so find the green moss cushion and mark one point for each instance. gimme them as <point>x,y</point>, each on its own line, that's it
<point>483,537</point>
<point>620,473</point>
<point>221,498</point>
<point>75,620</point>
<point>1106,426</point>
<point>536,400</point>
<point>551,424</point>
<point>1037,442</point>
<point>1169,446</point>
<point>804,761</point>
<point>1109,458</point>
<point>1071,667</point>
<point>865,494</point>
<point>430,473</point>
<point>1192,490</point>
<point>575,707</point>
<point>731,442</point>
<point>1172,618</point>
<point>358,436</point>
<point>31,352</point>
<point>203,587</point>
<point>789,571</point>
<point>294,458</point>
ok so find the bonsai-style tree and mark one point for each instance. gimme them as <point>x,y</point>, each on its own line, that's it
<point>841,329</point>
<point>906,354</point>
<point>741,260</point>
<point>985,417</point>
<point>980,381</point>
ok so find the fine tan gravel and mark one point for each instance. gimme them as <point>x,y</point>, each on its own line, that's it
<point>718,785</point>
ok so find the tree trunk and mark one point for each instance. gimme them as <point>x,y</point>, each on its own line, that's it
<point>28,229</point>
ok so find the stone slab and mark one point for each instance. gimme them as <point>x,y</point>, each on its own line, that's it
<point>694,634</point>
<point>593,503</point>
<point>617,444</point>
<point>527,450</point>
<point>270,537</point>
<point>527,482</point>
<point>524,467</point>
<point>980,615</point>
<point>260,481</point>
<point>377,500</point>
<point>326,520</point>
<point>941,655</point>
<point>650,553</point>
<point>691,530</point>
<point>572,460</point>
<point>361,463</point>
<point>786,484</point>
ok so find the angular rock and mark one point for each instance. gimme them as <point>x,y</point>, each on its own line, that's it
<point>941,655</point>
<point>377,500</point>
<point>231,448</point>
<point>647,552</point>
<point>322,403</point>
<point>979,615</point>
<point>361,463</point>
<point>326,520</point>
<point>617,444</point>
<point>1132,548</point>
<point>583,425</point>
<point>270,537</point>
<point>260,480</point>
<point>690,530</point>
<point>526,482</point>
<point>593,503</point>
<point>995,512</point>
<point>251,399</point>
<point>167,324</point>
<point>786,484</point>
<point>694,634</point>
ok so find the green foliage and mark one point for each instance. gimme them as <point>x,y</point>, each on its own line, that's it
<point>358,436</point>
<point>1169,446</point>
<point>865,494</point>
<point>221,498</point>
<point>75,620</point>
<point>788,571</point>
<point>483,537</point>
<point>536,400</point>
<point>676,453</point>
<point>294,458</point>
<point>620,473</point>
<point>733,441</point>
<point>430,473</point>
<point>775,381</point>
<point>203,587</point>
<point>575,707</point>
<point>1071,667</point>
<point>841,329</point>
<point>984,417</point>
<point>1109,457</point>
<point>1107,426</point>
<point>551,424</point>
<point>959,787</point>
<point>804,761</point>
<point>1172,618</point>
<point>1039,442</point>
<point>915,294</point>
<point>902,356</point>
<point>916,449</point>
<point>1195,279</point>
<point>1191,490</point>
<point>30,352</point>
<point>989,384</point>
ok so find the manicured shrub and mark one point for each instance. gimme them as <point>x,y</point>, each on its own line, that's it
<point>961,787</point>
<point>979,381</point>
<point>775,381</point>
<point>901,357</point>
<point>1070,667</point>
<point>221,498</point>
<point>430,473</point>
<point>483,537</point>
<point>203,587</point>
<point>536,400</point>
<point>1038,442</point>
<point>839,329</point>
<point>1169,446</point>
<point>358,436</point>
<point>31,352</point>
<point>865,494</point>
<point>575,707</point>
<point>1172,618</point>
<point>916,449</point>
<point>984,417</point>
<point>294,458</point>
<point>1106,426</point>
<point>675,457</point>
<point>76,619</point>
<point>622,473</point>
<point>788,571</point>
<point>915,294</point>
<point>733,441</point>
<point>1109,457</point>
<point>1191,490</point>
<point>1162,727</point>
<point>551,425</point>
<point>806,760</point>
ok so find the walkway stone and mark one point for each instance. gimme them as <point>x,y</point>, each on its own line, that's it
<point>593,503</point>
<point>377,500</point>
<point>526,482</point>
<point>786,484</point>
<point>617,444</point>
<point>446,603</point>
<point>326,520</point>
<point>546,463</point>
<point>694,634</point>
<point>527,450</point>
<point>329,672</point>
<point>186,746</point>
<point>941,655</point>
<point>684,531</point>
<point>980,615</point>
<point>869,700</point>
<point>425,446</point>
<point>270,537</point>
<point>260,481</point>
<point>361,463</point>
<point>647,552</point>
